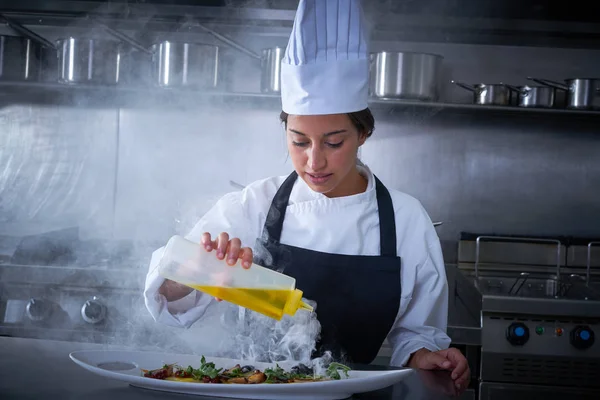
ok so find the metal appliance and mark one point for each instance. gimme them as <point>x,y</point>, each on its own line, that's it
<point>55,286</point>
<point>540,314</point>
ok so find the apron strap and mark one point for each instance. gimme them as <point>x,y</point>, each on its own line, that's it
<point>276,214</point>
<point>387,219</point>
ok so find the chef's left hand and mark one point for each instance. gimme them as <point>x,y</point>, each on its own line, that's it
<point>450,359</point>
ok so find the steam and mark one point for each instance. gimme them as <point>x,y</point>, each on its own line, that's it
<point>263,339</point>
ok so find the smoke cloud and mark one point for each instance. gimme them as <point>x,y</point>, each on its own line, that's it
<point>264,339</point>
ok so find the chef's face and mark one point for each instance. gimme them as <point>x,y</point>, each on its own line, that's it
<point>323,149</point>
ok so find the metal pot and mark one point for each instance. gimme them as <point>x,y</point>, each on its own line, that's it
<point>19,59</point>
<point>534,96</point>
<point>185,64</point>
<point>88,61</point>
<point>172,64</point>
<point>270,66</point>
<point>270,61</point>
<point>29,57</point>
<point>497,94</point>
<point>404,75</point>
<point>582,93</point>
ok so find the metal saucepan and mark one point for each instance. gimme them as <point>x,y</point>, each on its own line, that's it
<point>270,78</point>
<point>179,64</point>
<point>582,93</point>
<point>497,94</point>
<point>405,75</point>
<point>28,57</point>
<point>88,61</point>
<point>534,96</point>
<point>270,61</point>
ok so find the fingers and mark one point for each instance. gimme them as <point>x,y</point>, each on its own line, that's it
<point>461,367</point>
<point>463,381</point>
<point>435,359</point>
<point>221,245</point>
<point>246,257</point>
<point>233,250</point>
<point>461,372</point>
<point>206,241</point>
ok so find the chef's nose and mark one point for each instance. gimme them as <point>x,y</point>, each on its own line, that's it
<point>316,158</point>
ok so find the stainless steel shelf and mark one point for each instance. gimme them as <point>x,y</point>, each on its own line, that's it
<point>476,107</point>
<point>19,92</point>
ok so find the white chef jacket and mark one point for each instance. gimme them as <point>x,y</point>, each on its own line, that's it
<point>343,225</point>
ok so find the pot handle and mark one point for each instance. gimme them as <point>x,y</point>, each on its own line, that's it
<point>514,88</point>
<point>550,83</point>
<point>119,35</point>
<point>229,42</point>
<point>26,32</point>
<point>464,85</point>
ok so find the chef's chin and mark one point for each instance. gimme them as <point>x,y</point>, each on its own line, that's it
<point>321,185</point>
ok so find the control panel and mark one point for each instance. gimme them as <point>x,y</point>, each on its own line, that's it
<point>540,350</point>
<point>560,337</point>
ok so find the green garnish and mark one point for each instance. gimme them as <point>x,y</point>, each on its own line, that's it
<point>206,369</point>
<point>333,370</point>
<point>276,374</point>
<point>235,373</point>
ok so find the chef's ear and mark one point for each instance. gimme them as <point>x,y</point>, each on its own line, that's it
<point>362,138</point>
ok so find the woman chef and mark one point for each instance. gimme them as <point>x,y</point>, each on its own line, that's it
<point>369,256</point>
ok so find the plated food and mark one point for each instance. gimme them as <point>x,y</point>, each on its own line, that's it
<point>207,372</point>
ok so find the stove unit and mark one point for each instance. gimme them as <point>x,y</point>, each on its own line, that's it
<point>55,286</point>
<point>540,314</point>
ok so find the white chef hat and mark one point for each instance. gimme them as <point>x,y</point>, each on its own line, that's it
<point>325,68</point>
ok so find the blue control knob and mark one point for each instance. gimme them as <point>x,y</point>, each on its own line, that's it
<point>517,334</point>
<point>582,337</point>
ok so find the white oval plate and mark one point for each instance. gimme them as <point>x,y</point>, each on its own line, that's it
<point>126,366</point>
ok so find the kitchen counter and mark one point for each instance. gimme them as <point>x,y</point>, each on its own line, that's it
<point>42,369</point>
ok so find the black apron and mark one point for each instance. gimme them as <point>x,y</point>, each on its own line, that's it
<point>357,297</point>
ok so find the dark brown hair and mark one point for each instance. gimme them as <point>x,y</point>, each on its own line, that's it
<point>362,120</point>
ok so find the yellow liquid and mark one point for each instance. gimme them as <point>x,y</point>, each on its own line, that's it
<point>269,302</point>
<point>178,379</point>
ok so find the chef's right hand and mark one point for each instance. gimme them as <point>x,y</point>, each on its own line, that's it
<point>230,248</point>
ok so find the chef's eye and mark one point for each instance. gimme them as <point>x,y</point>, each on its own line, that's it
<point>335,145</point>
<point>300,144</point>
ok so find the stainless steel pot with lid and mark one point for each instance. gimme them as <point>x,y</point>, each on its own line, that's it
<point>497,94</point>
<point>582,93</point>
<point>405,75</point>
